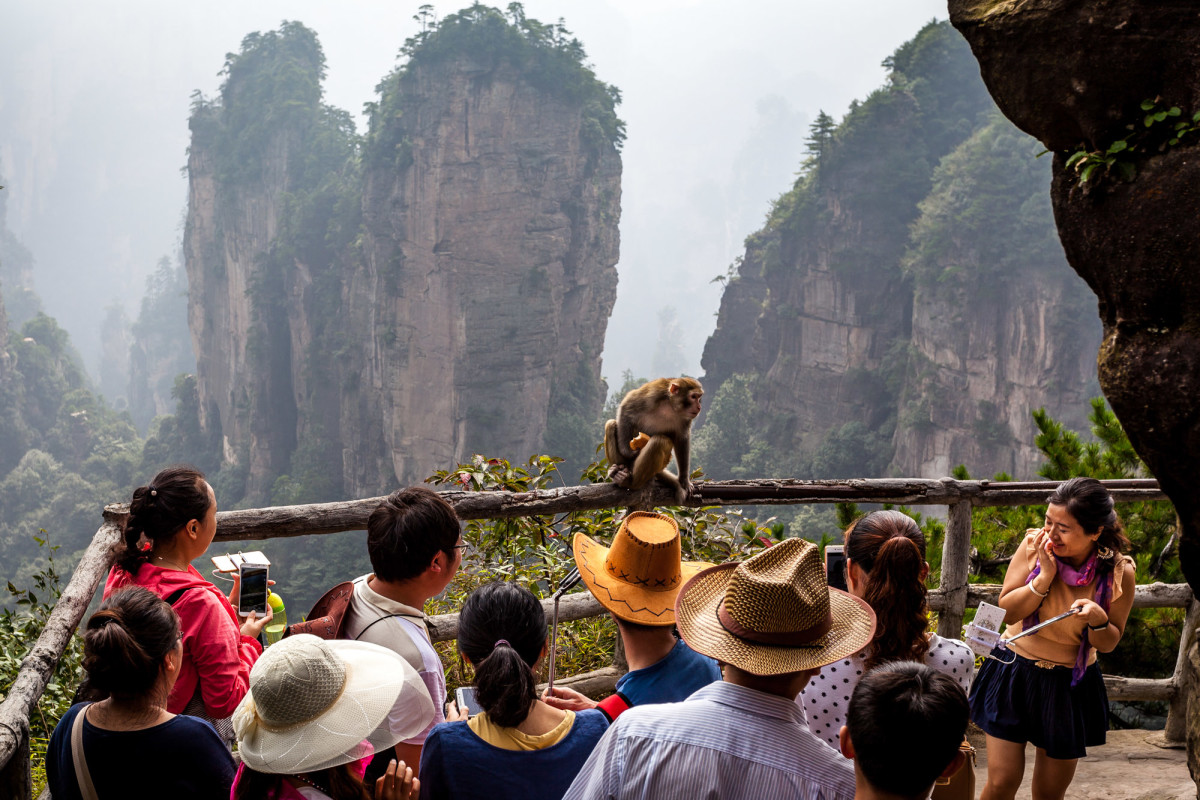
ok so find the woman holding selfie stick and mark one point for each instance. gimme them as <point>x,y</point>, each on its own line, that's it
<point>518,746</point>
<point>1046,688</point>
<point>171,522</point>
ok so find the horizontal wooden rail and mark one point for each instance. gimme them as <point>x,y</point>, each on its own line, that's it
<point>1148,595</point>
<point>302,520</point>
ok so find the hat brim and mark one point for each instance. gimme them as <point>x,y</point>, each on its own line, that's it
<point>623,600</point>
<point>696,616</point>
<point>358,724</point>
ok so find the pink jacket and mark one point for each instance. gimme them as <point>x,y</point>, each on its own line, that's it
<point>216,656</point>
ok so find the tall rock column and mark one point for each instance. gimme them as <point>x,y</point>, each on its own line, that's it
<point>491,243</point>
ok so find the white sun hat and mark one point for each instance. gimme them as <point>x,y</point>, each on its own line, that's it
<point>314,704</point>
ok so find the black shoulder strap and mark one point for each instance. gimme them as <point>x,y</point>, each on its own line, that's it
<point>174,596</point>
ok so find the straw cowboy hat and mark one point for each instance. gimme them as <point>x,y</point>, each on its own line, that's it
<point>773,613</point>
<point>314,704</point>
<point>638,577</point>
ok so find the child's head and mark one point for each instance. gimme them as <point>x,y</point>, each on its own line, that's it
<point>904,728</point>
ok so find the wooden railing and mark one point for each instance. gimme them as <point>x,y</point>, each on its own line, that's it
<point>950,601</point>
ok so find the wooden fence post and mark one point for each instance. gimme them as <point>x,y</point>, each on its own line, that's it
<point>16,782</point>
<point>1176,730</point>
<point>956,558</point>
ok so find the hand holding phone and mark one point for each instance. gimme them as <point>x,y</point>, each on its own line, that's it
<point>252,589</point>
<point>835,566</point>
<point>464,696</point>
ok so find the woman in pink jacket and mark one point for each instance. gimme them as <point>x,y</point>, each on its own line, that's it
<point>171,523</point>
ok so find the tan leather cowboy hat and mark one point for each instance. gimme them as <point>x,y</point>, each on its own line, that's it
<point>638,577</point>
<point>773,613</point>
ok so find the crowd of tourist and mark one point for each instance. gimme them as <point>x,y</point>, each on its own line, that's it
<point>750,679</point>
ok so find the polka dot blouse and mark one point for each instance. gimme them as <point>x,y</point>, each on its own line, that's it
<point>827,695</point>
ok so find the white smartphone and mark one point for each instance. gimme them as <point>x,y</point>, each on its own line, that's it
<point>230,562</point>
<point>464,696</point>
<point>835,566</point>
<point>252,596</point>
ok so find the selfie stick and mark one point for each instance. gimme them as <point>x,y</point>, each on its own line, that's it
<point>567,583</point>
<point>1041,625</point>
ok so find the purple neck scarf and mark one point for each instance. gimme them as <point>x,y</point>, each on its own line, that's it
<point>1076,577</point>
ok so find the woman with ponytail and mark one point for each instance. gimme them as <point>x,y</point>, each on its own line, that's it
<point>518,747</point>
<point>1046,688</point>
<point>132,654</point>
<point>171,522</point>
<point>885,566</point>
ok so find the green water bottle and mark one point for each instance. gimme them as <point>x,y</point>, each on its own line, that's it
<point>278,620</point>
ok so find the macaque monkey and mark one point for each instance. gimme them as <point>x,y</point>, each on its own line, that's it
<point>652,421</point>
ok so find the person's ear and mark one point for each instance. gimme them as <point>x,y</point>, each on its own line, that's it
<point>854,574</point>
<point>954,766</point>
<point>924,572</point>
<point>846,746</point>
<point>438,563</point>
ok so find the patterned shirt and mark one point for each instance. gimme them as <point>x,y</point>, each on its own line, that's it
<point>827,695</point>
<point>725,741</point>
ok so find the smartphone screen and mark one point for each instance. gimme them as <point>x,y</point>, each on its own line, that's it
<point>835,566</point>
<point>253,592</point>
<point>465,697</point>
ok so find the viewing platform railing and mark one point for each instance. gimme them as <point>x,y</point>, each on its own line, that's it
<point>950,601</point>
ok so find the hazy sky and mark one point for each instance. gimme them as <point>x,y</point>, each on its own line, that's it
<point>717,96</point>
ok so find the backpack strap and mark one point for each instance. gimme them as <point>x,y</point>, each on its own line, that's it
<point>174,596</point>
<point>83,775</point>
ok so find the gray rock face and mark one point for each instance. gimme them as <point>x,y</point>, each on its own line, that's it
<point>490,271</point>
<point>484,276</point>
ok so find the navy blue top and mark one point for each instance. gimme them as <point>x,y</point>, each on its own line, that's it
<point>455,763</point>
<point>183,758</point>
<point>671,680</point>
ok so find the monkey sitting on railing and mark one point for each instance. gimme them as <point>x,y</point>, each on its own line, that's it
<point>653,421</point>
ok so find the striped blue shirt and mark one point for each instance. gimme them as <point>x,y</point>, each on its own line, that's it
<point>725,741</point>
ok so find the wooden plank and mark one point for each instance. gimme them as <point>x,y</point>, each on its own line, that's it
<point>597,684</point>
<point>1176,728</point>
<point>578,605</point>
<point>318,518</point>
<point>16,781</point>
<point>956,557</point>
<point>39,665</point>
<point>1147,595</point>
<point>1127,689</point>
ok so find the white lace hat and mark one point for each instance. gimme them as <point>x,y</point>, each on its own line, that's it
<point>314,704</point>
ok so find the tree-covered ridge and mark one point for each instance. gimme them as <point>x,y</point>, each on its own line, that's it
<point>988,214</point>
<point>481,38</point>
<point>273,86</point>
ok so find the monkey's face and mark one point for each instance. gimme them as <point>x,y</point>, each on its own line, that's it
<point>691,407</point>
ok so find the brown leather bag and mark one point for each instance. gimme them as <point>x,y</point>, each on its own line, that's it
<point>328,614</point>
<point>960,785</point>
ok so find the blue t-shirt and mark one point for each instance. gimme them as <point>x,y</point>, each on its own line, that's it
<point>670,680</point>
<point>456,763</point>
<point>183,759</point>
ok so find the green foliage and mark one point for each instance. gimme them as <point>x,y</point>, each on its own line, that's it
<point>536,551</point>
<point>483,37</point>
<point>730,430</point>
<point>1161,128</point>
<point>987,217</point>
<point>19,629</point>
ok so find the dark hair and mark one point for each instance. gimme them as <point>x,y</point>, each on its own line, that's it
<point>173,498</point>
<point>504,682</point>
<point>407,530</point>
<point>890,548</point>
<point>342,782</point>
<point>1091,505</point>
<point>124,643</point>
<point>906,723</point>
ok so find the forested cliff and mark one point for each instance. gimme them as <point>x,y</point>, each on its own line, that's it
<point>907,303</point>
<point>367,309</point>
